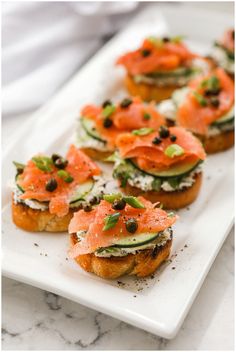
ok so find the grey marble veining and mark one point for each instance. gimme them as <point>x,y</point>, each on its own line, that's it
<point>38,320</point>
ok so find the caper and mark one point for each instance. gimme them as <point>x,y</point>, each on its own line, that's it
<point>107,123</point>
<point>166,39</point>
<point>156,140</point>
<point>164,132</point>
<point>55,157</point>
<point>215,102</point>
<point>106,103</point>
<point>209,92</point>
<point>94,200</point>
<point>131,225</point>
<point>87,208</point>
<point>119,204</point>
<point>173,138</point>
<point>51,185</point>
<point>126,102</point>
<point>61,163</point>
<point>145,52</point>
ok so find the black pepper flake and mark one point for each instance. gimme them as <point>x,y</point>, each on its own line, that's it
<point>36,244</point>
<point>173,268</point>
<point>185,246</point>
<point>135,296</point>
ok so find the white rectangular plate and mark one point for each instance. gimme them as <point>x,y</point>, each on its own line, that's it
<point>158,304</point>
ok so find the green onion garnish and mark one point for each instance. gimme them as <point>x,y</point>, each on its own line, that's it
<point>43,163</point>
<point>111,197</point>
<point>200,99</point>
<point>65,176</point>
<point>174,150</point>
<point>134,202</point>
<point>143,131</point>
<point>108,110</point>
<point>111,221</point>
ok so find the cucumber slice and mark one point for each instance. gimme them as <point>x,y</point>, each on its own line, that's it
<point>89,127</point>
<point>18,186</point>
<point>227,118</point>
<point>135,241</point>
<point>181,71</point>
<point>81,191</point>
<point>180,170</point>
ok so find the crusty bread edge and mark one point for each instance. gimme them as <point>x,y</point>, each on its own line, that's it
<point>218,143</point>
<point>34,220</point>
<point>148,92</point>
<point>170,200</point>
<point>141,264</point>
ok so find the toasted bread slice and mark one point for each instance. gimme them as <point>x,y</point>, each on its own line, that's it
<point>218,143</point>
<point>148,92</point>
<point>170,200</point>
<point>142,264</point>
<point>39,220</point>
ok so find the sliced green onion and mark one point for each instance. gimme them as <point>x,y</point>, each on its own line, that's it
<point>111,197</point>
<point>143,131</point>
<point>201,100</point>
<point>111,221</point>
<point>211,83</point>
<point>134,202</point>
<point>171,214</point>
<point>108,110</point>
<point>174,150</point>
<point>65,176</point>
<point>43,163</point>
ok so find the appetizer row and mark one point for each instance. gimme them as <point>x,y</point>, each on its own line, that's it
<point>110,234</point>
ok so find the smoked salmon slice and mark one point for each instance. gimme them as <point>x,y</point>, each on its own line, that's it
<point>149,219</point>
<point>149,155</point>
<point>196,116</point>
<point>33,180</point>
<point>156,55</point>
<point>124,119</point>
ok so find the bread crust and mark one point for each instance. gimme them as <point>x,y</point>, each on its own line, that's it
<point>218,143</point>
<point>141,264</point>
<point>97,154</point>
<point>148,92</point>
<point>34,220</point>
<point>170,200</point>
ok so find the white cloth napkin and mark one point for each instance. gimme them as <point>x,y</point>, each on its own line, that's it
<point>44,43</point>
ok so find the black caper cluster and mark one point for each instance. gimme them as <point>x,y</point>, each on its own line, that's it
<point>212,96</point>
<point>163,133</point>
<point>51,185</point>
<point>126,102</point>
<point>131,225</point>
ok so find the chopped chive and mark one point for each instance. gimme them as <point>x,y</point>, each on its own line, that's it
<point>143,131</point>
<point>111,221</point>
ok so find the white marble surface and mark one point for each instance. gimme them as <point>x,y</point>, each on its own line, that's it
<point>33,319</point>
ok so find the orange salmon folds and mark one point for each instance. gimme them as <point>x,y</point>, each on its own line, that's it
<point>197,114</point>
<point>156,55</point>
<point>135,115</point>
<point>78,170</point>
<point>149,219</point>
<point>152,156</point>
